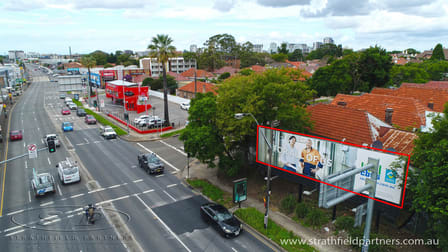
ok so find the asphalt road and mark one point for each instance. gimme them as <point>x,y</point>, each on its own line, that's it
<point>138,211</point>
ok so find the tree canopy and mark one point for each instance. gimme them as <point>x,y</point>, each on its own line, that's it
<point>437,53</point>
<point>325,50</point>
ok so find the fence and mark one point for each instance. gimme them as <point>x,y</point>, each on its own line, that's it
<point>171,98</point>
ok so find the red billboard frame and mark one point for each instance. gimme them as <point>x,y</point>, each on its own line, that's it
<point>346,143</point>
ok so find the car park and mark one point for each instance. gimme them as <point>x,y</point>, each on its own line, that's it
<point>89,119</point>
<point>108,132</point>
<point>42,183</point>
<point>53,137</point>
<point>67,126</point>
<point>68,171</point>
<point>150,163</point>
<point>65,111</point>
<point>81,112</point>
<point>221,219</point>
<point>15,135</point>
<point>185,105</point>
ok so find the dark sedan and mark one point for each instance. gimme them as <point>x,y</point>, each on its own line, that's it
<point>221,219</point>
<point>150,163</point>
<point>15,135</point>
<point>80,112</point>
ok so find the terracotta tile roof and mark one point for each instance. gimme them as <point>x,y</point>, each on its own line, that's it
<point>408,112</point>
<point>437,84</point>
<point>199,87</point>
<point>72,65</point>
<point>331,121</point>
<point>177,76</point>
<point>400,61</point>
<point>295,63</point>
<point>257,68</point>
<point>401,141</point>
<point>199,73</point>
<point>225,69</point>
<point>343,98</point>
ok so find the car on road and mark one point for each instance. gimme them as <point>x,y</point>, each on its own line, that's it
<point>185,105</point>
<point>108,132</point>
<point>15,135</point>
<point>65,111</point>
<point>61,96</point>
<point>53,137</point>
<point>150,163</point>
<point>89,119</point>
<point>68,171</point>
<point>67,126</point>
<point>81,112</point>
<point>67,100</point>
<point>72,106</point>
<point>42,183</point>
<point>221,219</point>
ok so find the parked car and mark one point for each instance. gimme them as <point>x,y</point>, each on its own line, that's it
<point>68,171</point>
<point>155,123</point>
<point>108,132</point>
<point>42,183</point>
<point>185,105</point>
<point>141,118</point>
<point>65,111</point>
<point>53,137</point>
<point>15,135</point>
<point>150,163</point>
<point>81,112</point>
<point>146,121</point>
<point>89,119</point>
<point>220,218</point>
<point>67,126</point>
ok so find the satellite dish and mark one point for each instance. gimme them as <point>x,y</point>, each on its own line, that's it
<point>377,144</point>
<point>391,149</point>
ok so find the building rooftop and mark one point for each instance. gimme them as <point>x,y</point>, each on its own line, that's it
<point>199,73</point>
<point>122,83</point>
<point>200,87</point>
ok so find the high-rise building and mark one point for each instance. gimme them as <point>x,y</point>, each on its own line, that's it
<point>16,55</point>
<point>317,45</point>
<point>258,48</point>
<point>193,48</point>
<point>328,40</point>
<point>273,47</point>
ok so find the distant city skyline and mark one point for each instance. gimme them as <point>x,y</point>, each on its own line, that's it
<point>49,26</point>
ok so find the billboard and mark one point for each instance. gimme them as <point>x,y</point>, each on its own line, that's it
<point>318,158</point>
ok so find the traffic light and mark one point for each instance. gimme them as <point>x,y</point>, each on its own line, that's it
<point>51,146</point>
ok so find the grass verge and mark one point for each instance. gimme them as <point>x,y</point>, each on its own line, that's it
<point>212,191</point>
<point>170,134</point>
<point>101,119</point>
<point>275,232</point>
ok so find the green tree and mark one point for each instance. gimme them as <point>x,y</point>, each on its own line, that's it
<point>296,55</point>
<point>333,79</point>
<point>412,51</point>
<point>161,49</point>
<point>429,190</point>
<point>89,62</point>
<point>325,50</point>
<point>246,72</point>
<point>224,76</point>
<point>436,69</point>
<point>100,57</point>
<point>408,73</point>
<point>374,66</point>
<point>280,57</point>
<point>437,53</point>
<point>283,48</point>
<point>157,83</point>
<point>224,43</point>
<point>111,58</point>
<point>147,82</point>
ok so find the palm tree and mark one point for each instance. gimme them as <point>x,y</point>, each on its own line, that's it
<point>161,49</point>
<point>89,62</point>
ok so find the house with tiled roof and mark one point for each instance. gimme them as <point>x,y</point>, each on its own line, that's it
<point>257,68</point>
<point>363,128</point>
<point>400,112</point>
<point>188,91</point>
<point>200,74</point>
<point>226,69</point>
<point>296,64</point>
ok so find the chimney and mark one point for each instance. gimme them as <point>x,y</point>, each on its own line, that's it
<point>389,112</point>
<point>341,103</point>
<point>431,105</point>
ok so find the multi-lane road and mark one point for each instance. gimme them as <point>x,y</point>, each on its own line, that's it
<point>138,212</point>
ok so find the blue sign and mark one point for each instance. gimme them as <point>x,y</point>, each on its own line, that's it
<point>76,96</point>
<point>72,69</point>
<point>390,176</point>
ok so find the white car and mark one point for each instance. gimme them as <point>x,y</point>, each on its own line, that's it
<point>68,171</point>
<point>185,105</point>
<point>72,106</point>
<point>67,100</point>
<point>141,118</point>
<point>108,132</point>
<point>145,122</point>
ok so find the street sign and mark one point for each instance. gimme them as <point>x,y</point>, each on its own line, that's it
<point>239,190</point>
<point>32,151</point>
<point>102,103</point>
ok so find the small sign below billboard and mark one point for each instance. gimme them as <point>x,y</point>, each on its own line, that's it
<point>239,190</point>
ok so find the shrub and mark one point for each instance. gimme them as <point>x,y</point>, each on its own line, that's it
<point>302,210</point>
<point>316,218</point>
<point>344,223</point>
<point>288,204</point>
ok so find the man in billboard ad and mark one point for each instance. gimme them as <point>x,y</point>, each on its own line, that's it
<point>318,158</point>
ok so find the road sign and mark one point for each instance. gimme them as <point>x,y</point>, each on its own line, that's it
<point>32,151</point>
<point>102,103</point>
<point>239,190</point>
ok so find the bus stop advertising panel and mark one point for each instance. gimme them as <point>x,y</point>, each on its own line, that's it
<point>318,158</point>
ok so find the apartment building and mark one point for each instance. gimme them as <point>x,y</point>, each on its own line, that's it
<point>175,65</point>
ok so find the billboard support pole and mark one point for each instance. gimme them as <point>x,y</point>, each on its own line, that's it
<point>299,198</point>
<point>268,189</point>
<point>370,203</point>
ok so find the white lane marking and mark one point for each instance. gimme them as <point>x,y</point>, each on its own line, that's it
<point>163,223</point>
<point>49,217</point>
<point>97,190</point>
<point>161,175</point>
<point>72,211</point>
<point>42,140</point>
<point>49,160</point>
<point>87,141</point>
<point>59,190</point>
<point>114,186</point>
<point>26,164</point>
<point>38,129</point>
<point>234,249</point>
<point>134,166</point>
<point>112,200</point>
<point>174,172</point>
<point>24,144</point>
<point>169,195</point>
<point>97,142</point>
<point>69,216</point>
<point>46,204</point>
<point>13,228</point>
<point>172,147</point>
<point>29,195</point>
<point>138,180</point>
<point>125,183</point>
<point>15,212</point>
<point>80,144</point>
<point>168,186</point>
<point>17,232</point>
<point>172,166</point>
<point>77,195</point>
<point>148,191</point>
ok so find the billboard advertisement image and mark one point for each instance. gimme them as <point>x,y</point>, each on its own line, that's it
<point>319,158</point>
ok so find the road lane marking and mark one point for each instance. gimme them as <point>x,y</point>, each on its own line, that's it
<point>148,191</point>
<point>26,164</point>
<point>97,190</point>
<point>138,180</point>
<point>169,195</point>
<point>114,186</point>
<point>42,140</point>
<point>168,186</point>
<point>38,129</point>
<point>163,160</point>
<point>234,249</point>
<point>59,190</point>
<point>29,195</point>
<point>46,204</point>
<point>49,162</point>
<point>13,228</point>
<point>163,223</point>
<point>16,212</point>
<point>69,216</point>
<point>24,144</point>
<point>174,172</point>
<point>17,232</point>
<point>77,195</point>
<point>87,141</point>
<point>161,175</point>
<point>172,147</point>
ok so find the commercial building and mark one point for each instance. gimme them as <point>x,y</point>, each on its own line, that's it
<point>16,55</point>
<point>258,48</point>
<point>328,40</point>
<point>133,97</point>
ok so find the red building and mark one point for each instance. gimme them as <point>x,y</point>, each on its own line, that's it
<point>122,92</point>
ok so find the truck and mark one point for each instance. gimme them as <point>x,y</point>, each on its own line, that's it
<point>68,171</point>
<point>53,137</point>
<point>42,183</point>
<point>108,132</point>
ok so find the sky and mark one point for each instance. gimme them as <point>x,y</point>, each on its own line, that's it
<point>51,26</point>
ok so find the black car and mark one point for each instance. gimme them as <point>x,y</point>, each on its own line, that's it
<point>150,163</point>
<point>81,112</point>
<point>220,218</point>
